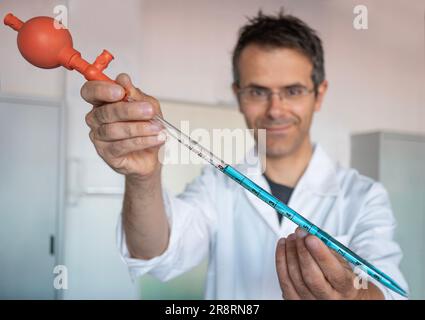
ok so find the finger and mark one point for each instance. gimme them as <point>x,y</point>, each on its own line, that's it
<point>294,268</point>
<point>121,111</point>
<point>344,262</point>
<point>117,149</point>
<point>121,148</point>
<point>132,93</point>
<point>311,272</point>
<point>125,130</point>
<point>335,272</point>
<point>285,282</point>
<point>98,92</point>
<point>135,94</point>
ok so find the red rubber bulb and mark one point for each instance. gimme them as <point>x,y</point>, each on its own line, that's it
<point>46,43</point>
<point>40,43</point>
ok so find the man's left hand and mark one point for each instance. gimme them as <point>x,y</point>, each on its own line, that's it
<point>308,269</point>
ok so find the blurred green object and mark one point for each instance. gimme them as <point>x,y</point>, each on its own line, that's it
<point>188,286</point>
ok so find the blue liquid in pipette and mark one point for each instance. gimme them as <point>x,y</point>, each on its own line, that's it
<point>332,243</point>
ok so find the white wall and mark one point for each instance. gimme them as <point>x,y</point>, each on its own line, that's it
<point>180,52</point>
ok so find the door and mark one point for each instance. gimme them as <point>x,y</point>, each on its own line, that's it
<point>29,184</point>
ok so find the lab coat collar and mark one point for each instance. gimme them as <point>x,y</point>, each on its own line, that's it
<point>320,176</point>
<point>319,179</point>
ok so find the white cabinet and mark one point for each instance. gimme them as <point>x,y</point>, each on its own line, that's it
<point>398,161</point>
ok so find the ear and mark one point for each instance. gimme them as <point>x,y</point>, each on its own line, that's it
<point>321,91</point>
<point>235,89</point>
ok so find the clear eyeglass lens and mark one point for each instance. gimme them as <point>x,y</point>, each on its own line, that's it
<point>263,95</point>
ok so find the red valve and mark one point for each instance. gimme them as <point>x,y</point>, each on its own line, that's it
<point>46,43</point>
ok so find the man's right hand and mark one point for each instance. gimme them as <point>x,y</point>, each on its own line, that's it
<point>122,132</point>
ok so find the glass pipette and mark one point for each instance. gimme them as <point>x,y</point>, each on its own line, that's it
<point>280,207</point>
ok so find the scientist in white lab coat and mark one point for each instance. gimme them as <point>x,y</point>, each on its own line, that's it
<point>279,81</point>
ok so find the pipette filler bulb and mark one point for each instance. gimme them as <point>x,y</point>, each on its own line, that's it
<point>46,43</point>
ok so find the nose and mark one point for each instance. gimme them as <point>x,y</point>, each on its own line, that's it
<point>277,105</point>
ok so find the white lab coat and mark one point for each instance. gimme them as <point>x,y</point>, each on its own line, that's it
<point>214,216</point>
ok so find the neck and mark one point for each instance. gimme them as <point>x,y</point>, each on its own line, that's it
<point>288,169</point>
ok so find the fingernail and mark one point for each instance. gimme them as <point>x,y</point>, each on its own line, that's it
<point>282,241</point>
<point>161,136</point>
<point>146,108</point>
<point>312,243</point>
<point>301,233</point>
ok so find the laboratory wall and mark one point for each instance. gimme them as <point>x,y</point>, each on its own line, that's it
<point>180,52</point>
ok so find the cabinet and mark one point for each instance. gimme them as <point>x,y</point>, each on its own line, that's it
<point>398,161</point>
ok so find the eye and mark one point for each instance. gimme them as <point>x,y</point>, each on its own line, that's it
<point>257,92</point>
<point>294,91</point>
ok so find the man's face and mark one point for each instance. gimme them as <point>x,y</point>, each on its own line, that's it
<point>287,122</point>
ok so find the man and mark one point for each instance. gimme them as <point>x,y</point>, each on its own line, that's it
<point>279,81</point>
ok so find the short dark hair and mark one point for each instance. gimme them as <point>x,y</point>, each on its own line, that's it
<point>281,31</point>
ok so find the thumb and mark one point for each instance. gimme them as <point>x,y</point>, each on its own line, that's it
<point>135,94</point>
<point>132,93</point>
